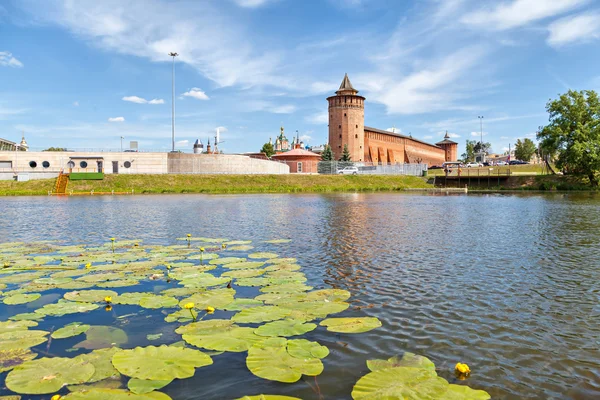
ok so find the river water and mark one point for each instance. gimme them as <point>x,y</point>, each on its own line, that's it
<point>509,284</point>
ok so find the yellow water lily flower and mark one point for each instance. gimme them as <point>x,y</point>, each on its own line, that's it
<point>462,369</point>
<point>108,299</point>
<point>189,235</point>
<point>210,310</point>
<point>188,306</point>
<point>224,246</point>
<point>88,265</point>
<point>112,239</point>
<point>56,397</point>
<point>135,244</point>
<point>168,266</point>
<point>202,249</point>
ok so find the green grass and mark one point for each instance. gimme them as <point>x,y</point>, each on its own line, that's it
<point>219,184</point>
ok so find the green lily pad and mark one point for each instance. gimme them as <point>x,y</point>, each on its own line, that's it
<point>180,316</point>
<point>154,336</point>
<point>407,360</point>
<point>244,265</point>
<point>99,337</point>
<point>351,325</point>
<point>302,348</point>
<point>209,327</point>
<point>101,359</point>
<point>268,397</point>
<point>282,261</point>
<point>227,260</point>
<point>48,375</point>
<point>27,317</point>
<point>243,273</point>
<point>240,247</point>
<point>262,255</point>
<point>252,282</point>
<point>286,327</point>
<point>118,283</point>
<point>179,291</point>
<point>111,383</point>
<point>328,295</point>
<point>132,298</point>
<point>72,329</point>
<point>286,288</point>
<point>216,298</point>
<point>167,362</point>
<point>12,340</point>
<point>114,394</point>
<point>260,314</point>
<point>270,360</point>
<point>10,359</point>
<point>21,298</point>
<point>241,304</point>
<point>282,266</point>
<point>64,307</point>
<point>236,242</point>
<point>278,241</point>
<point>142,386</point>
<point>234,339</point>
<point>411,383</point>
<point>89,296</point>
<point>157,301</point>
<point>6,326</point>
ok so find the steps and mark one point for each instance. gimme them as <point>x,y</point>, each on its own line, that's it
<point>62,181</point>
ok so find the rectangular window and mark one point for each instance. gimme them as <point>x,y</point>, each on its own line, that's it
<point>299,167</point>
<point>6,164</point>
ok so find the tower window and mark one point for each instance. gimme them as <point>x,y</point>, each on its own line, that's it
<point>356,126</point>
<point>340,146</point>
<point>356,136</point>
<point>339,126</point>
<point>344,114</point>
<point>340,135</point>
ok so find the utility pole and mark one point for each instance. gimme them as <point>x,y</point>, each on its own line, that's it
<point>173,54</point>
<point>122,143</point>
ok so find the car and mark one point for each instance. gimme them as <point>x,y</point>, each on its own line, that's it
<point>517,162</point>
<point>348,171</point>
<point>501,163</point>
<point>473,165</point>
<point>435,167</point>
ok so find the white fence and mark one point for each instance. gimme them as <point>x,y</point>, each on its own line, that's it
<point>365,168</point>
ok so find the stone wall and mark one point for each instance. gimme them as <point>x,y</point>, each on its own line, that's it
<point>181,163</point>
<point>384,147</point>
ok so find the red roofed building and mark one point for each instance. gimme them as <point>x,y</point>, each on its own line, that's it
<point>299,160</point>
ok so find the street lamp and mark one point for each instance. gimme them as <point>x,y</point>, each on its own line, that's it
<point>481,142</point>
<point>173,54</point>
<point>122,143</point>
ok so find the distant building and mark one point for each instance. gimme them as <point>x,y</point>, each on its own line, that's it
<point>365,144</point>
<point>198,146</point>
<point>281,142</point>
<point>299,160</point>
<point>7,145</point>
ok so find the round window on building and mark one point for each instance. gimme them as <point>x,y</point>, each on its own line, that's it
<point>127,164</point>
<point>45,164</point>
<point>71,164</point>
<point>32,164</point>
<point>83,164</point>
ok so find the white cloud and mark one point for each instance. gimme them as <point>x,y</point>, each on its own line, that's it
<point>320,118</point>
<point>7,60</point>
<point>517,13</point>
<point>116,119</point>
<point>141,100</point>
<point>305,138</point>
<point>394,130</point>
<point>221,129</point>
<point>453,135</point>
<point>575,28</point>
<point>428,137</point>
<point>252,3</point>
<point>6,113</point>
<point>478,134</point>
<point>182,143</point>
<point>267,106</point>
<point>283,109</point>
<point>76,103</point>
<point>196,93</point>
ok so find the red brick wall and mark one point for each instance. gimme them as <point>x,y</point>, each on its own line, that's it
<point>347,125</point>
<point>382,148</point>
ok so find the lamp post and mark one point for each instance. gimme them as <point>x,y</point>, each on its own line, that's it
<point>122,143</point>
<point>481,130</point>
<point>173,54</point>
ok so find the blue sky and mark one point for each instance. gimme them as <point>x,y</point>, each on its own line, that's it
<point>81,74</point>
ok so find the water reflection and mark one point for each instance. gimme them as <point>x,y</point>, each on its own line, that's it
<point>508,284</point>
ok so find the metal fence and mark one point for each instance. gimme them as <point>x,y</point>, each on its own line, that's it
<point>366,168</point>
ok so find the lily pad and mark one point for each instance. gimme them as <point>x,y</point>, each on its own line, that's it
<point>72,329</point>
<point>157,301</point>
<point>260,314</point>
<point>48,375</point>
<point>351,325</point>
<point>268,397</point>
<point>270,360</point>
<point>282,260</point>
<point>227,260</point>
<point>287,327</point>
<point>286,288</point>
<point>142,386</point>
<point>262,255</point>
<point>240,247</point>
<point>21,298</point>
<point>234,339</point>
<point>407,360</point>
<point>64,307</point>
<point>114,394</point>
<point>13,340</point>
<point>101,360</point>
<point>132,298</point>
<point>216,298</point>
<point>154,336</point>
<point>99,337</point>
<point>243,273</point>
<point>9,359</point>
<point>241,304</point>
<point>302,348</point>
<point>244,265</point>
<point>89,296</point>
<point>6,326</point>
<point>278,241</point>
<point>167,362</point>
<point>328,295</point>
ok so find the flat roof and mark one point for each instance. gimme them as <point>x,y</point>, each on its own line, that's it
<point>86,157</point>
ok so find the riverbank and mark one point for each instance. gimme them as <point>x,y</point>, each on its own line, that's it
<point>221,184</point>
<point>562,183</point>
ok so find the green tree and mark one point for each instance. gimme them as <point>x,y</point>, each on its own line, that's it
<point>469,154</point>
<point>55,149</point>
<point>346,154</point>
<point>573,133</point>
<point>482,148</point>
<point>268,149</point>
<point>327,154</point>
<point>525,149</point>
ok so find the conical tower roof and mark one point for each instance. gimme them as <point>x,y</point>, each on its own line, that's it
<point>346,87</point>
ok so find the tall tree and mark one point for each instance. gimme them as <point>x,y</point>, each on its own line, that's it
<point>469,154</point>
<point>346,154</point>
<point>574,132</point>
<point>327,154</point>
<point>268,149</point>
<point>525,149</point>
<point>482,148</point>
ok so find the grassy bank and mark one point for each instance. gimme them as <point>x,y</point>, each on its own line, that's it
<point>224,184</point>
<point>534,169</point>
<point>525,183</point>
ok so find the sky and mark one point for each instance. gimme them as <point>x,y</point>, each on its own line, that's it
<point>82,74</point>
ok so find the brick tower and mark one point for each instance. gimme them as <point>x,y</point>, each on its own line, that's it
<point>450,148</point>
<point>347,121</point>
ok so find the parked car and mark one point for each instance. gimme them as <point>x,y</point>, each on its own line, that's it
<point>501,163</point>
<point>348,171</point>
<point>435,167</point>
<point>473,165</point>
<point>517,162</point>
